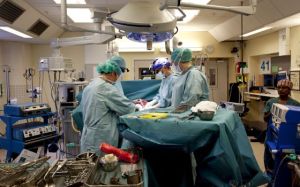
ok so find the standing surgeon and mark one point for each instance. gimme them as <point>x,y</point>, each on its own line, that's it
<point>102,104</point>
<point>163,98</point>
<point>191,86</point>
<point>122,65</point>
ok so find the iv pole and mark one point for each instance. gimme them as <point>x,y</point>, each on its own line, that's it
<point>6,70</point>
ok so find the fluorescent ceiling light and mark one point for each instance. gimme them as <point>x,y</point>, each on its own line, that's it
<point>190,14</point>
<point>80,15</point>
<point>71,1</point>
<point>15,32</point>
<point>256,31</point>
<point>204,2</point>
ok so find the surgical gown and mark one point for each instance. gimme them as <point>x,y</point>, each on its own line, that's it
<point>190,88</point>
<point>119,86</point>
<point>165,91</point>
<point>102,104</point>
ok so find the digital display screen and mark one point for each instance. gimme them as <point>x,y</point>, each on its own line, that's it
<point>145,71</point>
<point>268,80</point>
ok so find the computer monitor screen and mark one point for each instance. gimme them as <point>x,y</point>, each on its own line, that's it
<point>269,81</point>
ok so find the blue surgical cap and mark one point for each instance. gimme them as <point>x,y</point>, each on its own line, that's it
<point>119,61</point>
<point>181,55</point>
<point>159,63</point>
<point>108,67</point>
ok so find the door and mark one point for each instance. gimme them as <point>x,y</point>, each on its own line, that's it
<point>216,72</point>
<point>141,69</point>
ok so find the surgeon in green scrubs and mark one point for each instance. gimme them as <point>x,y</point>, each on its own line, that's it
<point>191,86</point>
<point>102,104</point>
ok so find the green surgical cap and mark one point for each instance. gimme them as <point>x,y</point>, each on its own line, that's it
<point>119,61</point>
<point>181,55</point>
<point>108,67</point>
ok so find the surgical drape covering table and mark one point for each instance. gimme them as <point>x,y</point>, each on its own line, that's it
<point>141,89</point>
<point>225,152</point>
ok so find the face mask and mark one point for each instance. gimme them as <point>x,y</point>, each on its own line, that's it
<point>159,75</point>
<point>176,69</point>
<point>120,78</point>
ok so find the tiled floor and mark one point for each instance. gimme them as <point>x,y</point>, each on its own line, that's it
<point>258,150</point>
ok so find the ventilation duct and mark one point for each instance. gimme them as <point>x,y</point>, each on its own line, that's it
<point>38,27</point>
<point>21,16</point>
<point>10,11</point>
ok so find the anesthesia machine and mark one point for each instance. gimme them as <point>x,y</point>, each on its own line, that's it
<point>283,141</point>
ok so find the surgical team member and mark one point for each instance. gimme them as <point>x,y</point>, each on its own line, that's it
<point>284,88</point>
<point>121,63</point>
<point>102,104</point>
<point>163,98</point>
<point>191,86</point>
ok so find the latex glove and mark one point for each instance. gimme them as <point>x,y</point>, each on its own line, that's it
<point>153,106</point>
<point>139,107</point>
<point>150,104</point>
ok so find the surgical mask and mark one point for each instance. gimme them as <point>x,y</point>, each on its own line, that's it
<point>176,69</point>
<point>159,75</point>
<point>120,78</point>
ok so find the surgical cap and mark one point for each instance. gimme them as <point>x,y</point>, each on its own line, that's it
<point>285,83</point>
<point>119,61</point>
<point>181,55</point>
<point>159,63</point>
<point>108,67</point>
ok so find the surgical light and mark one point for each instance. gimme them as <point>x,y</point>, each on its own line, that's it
<point>154,37</point>
<point>143,21</point>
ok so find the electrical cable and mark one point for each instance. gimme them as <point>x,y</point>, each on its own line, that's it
<point>43,75</point>
<point>51,91</point>
<point>280,164</point>
<point>73,125</point>
<point>39,85</point>
<point>67,153</point>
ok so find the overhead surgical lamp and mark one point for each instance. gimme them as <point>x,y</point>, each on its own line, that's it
<point>143,21</point>
<point>150,21</point>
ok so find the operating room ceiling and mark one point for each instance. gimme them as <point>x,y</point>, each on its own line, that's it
<point>221,24</point>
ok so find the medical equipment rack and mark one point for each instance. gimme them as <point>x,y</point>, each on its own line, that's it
<point>282,140</point>
<point>16,146</point>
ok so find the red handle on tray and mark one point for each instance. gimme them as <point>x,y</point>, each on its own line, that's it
<point>121,154</point>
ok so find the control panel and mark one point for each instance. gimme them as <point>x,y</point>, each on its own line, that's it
<point>35,132</point>
<point>26,109</point>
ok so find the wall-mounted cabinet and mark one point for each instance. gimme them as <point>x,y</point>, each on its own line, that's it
<point>280,63</point>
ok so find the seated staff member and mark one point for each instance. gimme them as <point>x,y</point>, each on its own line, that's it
<point>284,88</point>
<point>163,98</point>
<point>102,104</point>
<point>191,86</point>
